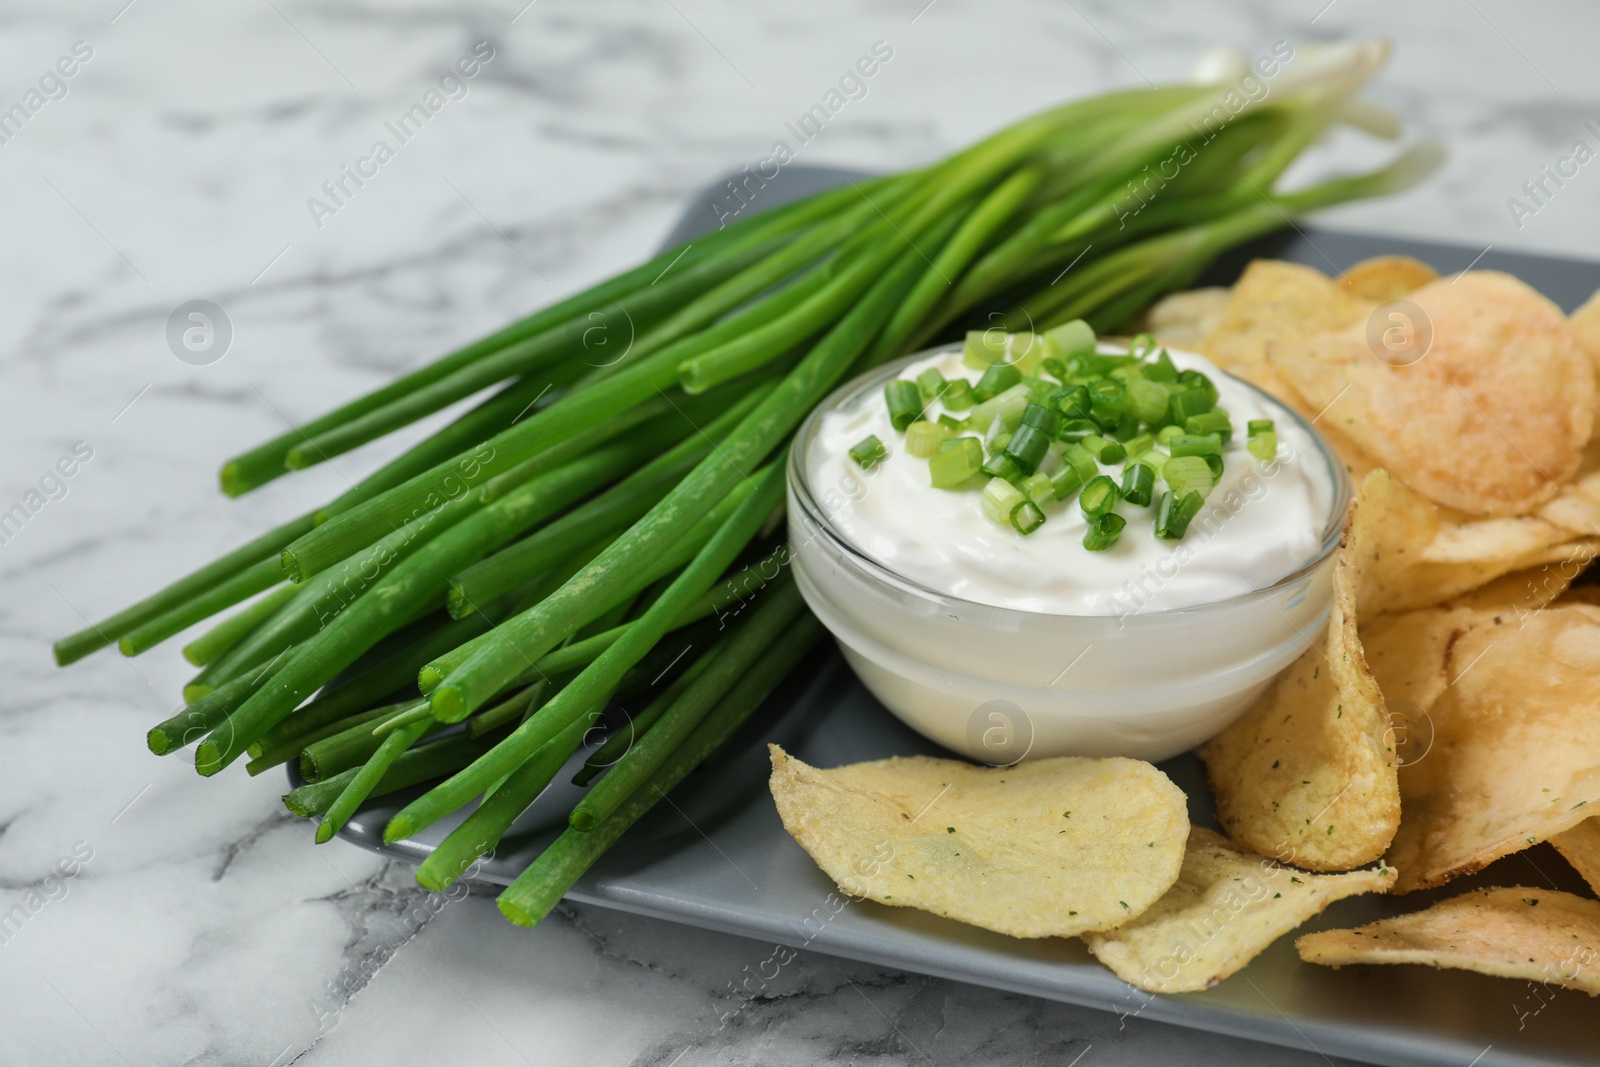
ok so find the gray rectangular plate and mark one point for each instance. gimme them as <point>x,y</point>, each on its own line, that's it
<point>716,855</point>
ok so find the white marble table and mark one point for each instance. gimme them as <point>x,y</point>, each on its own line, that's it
<point>199,925</point>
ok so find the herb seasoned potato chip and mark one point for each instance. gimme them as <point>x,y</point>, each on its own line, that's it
<point>1183,320</point>
<point>1307,774</point>
<point>1516,745</point>
<point>1274,302</point>
<point>1491,420</point>
<point>1047,848</point>
<point>1225,909</point>
<point>1385,278</point>
<point>1408,653</point>
<point>1580,846</point>
<point>1577,507</point>
<point>1538,934</point>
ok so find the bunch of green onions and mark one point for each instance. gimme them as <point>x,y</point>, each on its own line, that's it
<point>465,616</point>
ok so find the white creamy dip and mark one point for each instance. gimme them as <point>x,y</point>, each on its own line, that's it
<point>1260,523</point>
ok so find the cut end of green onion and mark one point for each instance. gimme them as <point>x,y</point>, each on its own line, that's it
<point>157,741</point>
<point>1175,512</point>
<point>581,820</point>
<point>984,348</point>
<point>1073,339</point>
<point>1103,532</point>
<point>398,829</point>
<point>1098,497</point>
<point>1263,443</point>
<point>924,438</point>
<point>958,395</point>
<point>1000,498</point>
<point>448,704</point>
<point>1138,484</point>
<point>869,452</point>
<point>1184,474</point>
<point>905,403</point>
<point>1026,517</point>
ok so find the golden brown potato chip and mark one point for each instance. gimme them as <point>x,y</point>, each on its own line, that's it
<point>1583,594</point>
<point>1225,909</point>
<point>1047,848</point>
<point>1580,846</point>
<point>1272,303</point>
<point>1517,593</point>
<point>1491,420</point>
<point>1386,278</point>
<point>1433,583</point>
<point>1513,932</point>
<point>1183,320</point>
<point>1407,653</point>
<point>1489,540</point>
<point>1585,323</point>
<point>1516,745</point>
<point>1307,774</point>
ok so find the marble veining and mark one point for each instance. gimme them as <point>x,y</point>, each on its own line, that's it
<point>198,924</point>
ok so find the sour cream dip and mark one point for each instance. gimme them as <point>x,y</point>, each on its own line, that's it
<point>1259,523</point>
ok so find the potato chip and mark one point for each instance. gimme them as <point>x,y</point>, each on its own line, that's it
<point>1273,302</point>
<point>1513,932</point>
<point>1386,278</point>
<point>1585,323</point>
<point>1400,524</point>
<point>1583,594</point>
<point>1517,593</point>
<point>1516,746</point>
<point>1492,539</point>
<point>1576,507</point>
<point>1433,583</point>
<point>1580,846</point>
<point>1183,320</point>
<point>1225,909</point>
<point>1408,653</point>
<point>1490,420</point>
<point>1307,774</point>
<point>1047,848</point>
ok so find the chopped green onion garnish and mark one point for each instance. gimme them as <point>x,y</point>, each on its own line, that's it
<point>1000,465</point>
<point>1098,497</point>
<point>923,438</point>
<point>1028,447</point>
<point>1054,367</point>
<point>1147,401</point>
<point>1165,435</point>
<point>1185,474</point>
<point>954,465</point>
<point>950,422</point>
<point>905,403</point>
<point>1026,517</point>
<point>1038,488</point>
<point>1103,532</point>
<point>999,499</point>
<point>1138,446</point>
<point>869,452</point>
<point>1028,350</point>
<point>1103,449</point>
<point>1192,444</point>
<point>1174,513</point>
<point>931,383</point>
<point>1187,404</point>
<point>1073,339</point>
<point>1046,419</point>
<point>1108,401</point>
<point>1072,401</point>
<point>1161,369</point>
<point>1195,380</point>
<point>996,380</point>
<point>1214,421</point>
<point>1138,484</point>
<point>984,348</point>
<point>998,445</point>
<point>955,442</point>
<point>1075,430</point>
<point>1007,407</point>
<point>958,395</point>
<point>1263,442</point>
<point>1041,389</point>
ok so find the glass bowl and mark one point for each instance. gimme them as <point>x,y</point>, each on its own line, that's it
<point>999,684</point>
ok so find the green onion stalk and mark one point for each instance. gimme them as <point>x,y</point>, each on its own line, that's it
<point>468,618</point>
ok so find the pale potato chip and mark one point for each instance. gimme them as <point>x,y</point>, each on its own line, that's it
<point>1583,594</point>
<point>1225,909</point>
<point>1433,583</point>
<point>1400,524</point>
<point>1274,302</point>
<point>1307,774</point>
<point>1407,653</point>
<point>1577,506</point>
<point>1585,323</point>
<point>1580,846</point>
<point>1516,745</point>
<point>1516,593</point>
<point>1385,278</point>
<point>1491,420</point>
<point>1047,848</point>
<point>1182,320</point>
<point>1492,539</point>
<point>1538,934</point>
